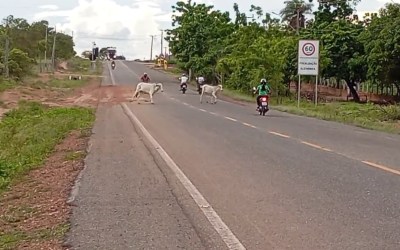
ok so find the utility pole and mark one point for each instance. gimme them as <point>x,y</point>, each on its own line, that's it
<point>162,35</point>
<point>45,49</point>
<point>165,52</point>
<point>297,19</point>
<point>53,61</point>
<point>7,52</point>
<point>151,48</point>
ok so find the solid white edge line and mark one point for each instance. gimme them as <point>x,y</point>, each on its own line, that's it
<point>226,234</point>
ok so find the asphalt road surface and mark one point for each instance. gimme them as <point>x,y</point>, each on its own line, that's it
<point>276,182</point>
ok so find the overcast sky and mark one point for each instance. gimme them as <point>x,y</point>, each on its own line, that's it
<point>128,22</point>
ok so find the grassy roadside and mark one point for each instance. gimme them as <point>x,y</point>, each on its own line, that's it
<point>6,84</point>
<point>41,153</point>
<point>29,133</point>
<point>369,116</point>
<point>79,65</point>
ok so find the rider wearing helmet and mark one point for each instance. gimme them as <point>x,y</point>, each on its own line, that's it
<point>145,78</point>
<point>184,79</point>
<point>262,89</point>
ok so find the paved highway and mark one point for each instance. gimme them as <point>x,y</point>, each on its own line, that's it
<point>277,182</point>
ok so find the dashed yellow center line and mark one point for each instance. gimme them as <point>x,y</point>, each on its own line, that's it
<point>229,118</point>
<point>249,125</point>
<point>371,164</point>
<point>278,134</point>
<point>390,170</point>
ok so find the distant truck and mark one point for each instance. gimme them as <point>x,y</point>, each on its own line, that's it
<point>111,53</point>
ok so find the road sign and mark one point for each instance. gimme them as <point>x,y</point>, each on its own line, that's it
<point>308,60</point>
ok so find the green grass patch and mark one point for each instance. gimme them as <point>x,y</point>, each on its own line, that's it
<point>10,240</point>
<point>370,116</point>
<point>64,83</point>
<point>29,134</point>
<point>6,84</point>
<point>79,65</point>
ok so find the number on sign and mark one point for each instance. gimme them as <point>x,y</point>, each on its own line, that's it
<point>308,49</point>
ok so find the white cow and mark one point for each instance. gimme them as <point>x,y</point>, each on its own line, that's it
<point>148,88</point>
<point>210,89</point>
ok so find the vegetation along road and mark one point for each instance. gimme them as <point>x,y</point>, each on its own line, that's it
<point>83,166</point>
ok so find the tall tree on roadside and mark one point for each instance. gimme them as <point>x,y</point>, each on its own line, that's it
<point>294,13</point>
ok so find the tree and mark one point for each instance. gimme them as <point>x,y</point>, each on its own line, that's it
<point>27,42</point>
<point>198,30</point>
<point>382,47</point>
<point>294,12</point>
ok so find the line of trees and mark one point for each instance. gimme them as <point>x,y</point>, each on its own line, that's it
<point>239,51</point>
<point>23,45</point>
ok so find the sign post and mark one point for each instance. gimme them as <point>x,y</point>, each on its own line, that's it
<point>308,63</point>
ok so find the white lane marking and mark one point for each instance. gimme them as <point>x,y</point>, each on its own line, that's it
<point>229,118</point>
<point>226,234</point>
<point>315,146</point>
<point>133,72</point>
<point>203,110</point>
<point>278,134</point>
<point>248,125</point>
<point>393,171</point>
<point>184,103</point>
<point>213,113</point>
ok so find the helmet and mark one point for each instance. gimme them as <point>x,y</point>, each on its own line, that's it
<point>145,74</point>
<point>183,74</point>
<point>263,80</point>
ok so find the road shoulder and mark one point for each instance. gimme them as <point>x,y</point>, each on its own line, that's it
<point>124,200</point>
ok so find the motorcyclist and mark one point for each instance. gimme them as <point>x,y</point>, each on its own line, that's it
<point>184,79</point>
<point>145,77</point>
<point>113,64</point>
<point>262,89</point>
<point>200,80</point>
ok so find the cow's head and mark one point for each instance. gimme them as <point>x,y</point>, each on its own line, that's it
<point>220,87</point>
<point>158,87</point>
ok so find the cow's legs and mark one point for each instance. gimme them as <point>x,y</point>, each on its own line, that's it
<point>215,97</point>
<point>201,97</point>
<point>151,98</point>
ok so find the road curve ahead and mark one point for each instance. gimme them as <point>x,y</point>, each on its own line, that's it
<point>281,181</point>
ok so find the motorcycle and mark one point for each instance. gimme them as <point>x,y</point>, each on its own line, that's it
<point>199,86</point>
<point>184,88</point>
<point>263,109</point>
<point>113,66</point>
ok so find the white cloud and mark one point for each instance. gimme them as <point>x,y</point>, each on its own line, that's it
<point>128,27</point>
<point>49,7</point>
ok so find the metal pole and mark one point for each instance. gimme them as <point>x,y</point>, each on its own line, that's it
<point>162,35</point>
<point>316,90</point>
<point>151,48</point>
<point>54,50</point>
<point>45,49</point>
<point>298,93</point>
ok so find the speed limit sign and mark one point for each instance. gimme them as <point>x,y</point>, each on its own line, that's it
<point>308,49</point>
<point>308,63</point>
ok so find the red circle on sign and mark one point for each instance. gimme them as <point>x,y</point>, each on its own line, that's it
<point>308,53</point>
